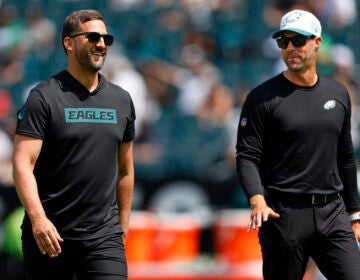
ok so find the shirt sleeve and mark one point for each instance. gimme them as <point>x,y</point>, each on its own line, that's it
<point>129,133</point>
<point>251,131</point>
<point>347,165</point>
<point>32,116</point>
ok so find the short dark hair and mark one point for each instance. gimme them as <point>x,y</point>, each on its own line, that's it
<point>72,22</point>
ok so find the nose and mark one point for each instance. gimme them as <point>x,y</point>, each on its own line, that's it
<point>290,45</point>
<point>100,42</point>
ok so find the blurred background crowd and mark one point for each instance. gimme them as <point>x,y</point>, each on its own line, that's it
<point>188,65</point>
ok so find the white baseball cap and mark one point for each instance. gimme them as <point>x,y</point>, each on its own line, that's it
<point>302,22</point>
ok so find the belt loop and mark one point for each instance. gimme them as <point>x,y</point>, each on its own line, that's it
<point>313,199</point>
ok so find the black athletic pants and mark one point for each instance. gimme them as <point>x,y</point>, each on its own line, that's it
<point>98,259</point>
<point>321,231</point>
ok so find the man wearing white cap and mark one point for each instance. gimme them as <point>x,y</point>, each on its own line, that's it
<point>296,163</point>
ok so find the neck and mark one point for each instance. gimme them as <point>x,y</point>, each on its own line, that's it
<point>308,78</point>
<point>89,80</point>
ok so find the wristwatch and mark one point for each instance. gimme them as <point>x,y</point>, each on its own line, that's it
<point>354,217</point>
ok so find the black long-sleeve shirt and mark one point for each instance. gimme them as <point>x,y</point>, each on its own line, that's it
<point>297,139</point>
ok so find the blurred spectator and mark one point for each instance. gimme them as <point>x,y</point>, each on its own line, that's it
<point>344,68</point>
<point>9,268</point>
<point>200,13</point>
<point>121,71</point>
<point>11,29</point>
<point>159,78</point>
<point>11,70</point>
<point>230,27</point>
<point>38,43</point>
<point>152,151</point>
<point>123,5</point>
<point>180,145</point>
<point>212,117</point>
<point>214,166</point>
<point>195,79</point>
<point>6,143</point>
<point>275,9</point>
<point>344,71</point>
<point>5,159</point>
<point>337,15</point>
<point>40,34</point>
<point>215,109</point>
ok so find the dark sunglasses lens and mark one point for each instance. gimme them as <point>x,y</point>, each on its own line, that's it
<point>282,42</point>
<point>93,37</point>
<point>108,39</point>
<point>298,41</point>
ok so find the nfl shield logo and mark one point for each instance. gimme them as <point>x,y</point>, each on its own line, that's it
<point>243,122</point>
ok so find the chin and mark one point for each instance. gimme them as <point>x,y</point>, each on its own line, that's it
<point>97,66</point>
<point>294,67</point>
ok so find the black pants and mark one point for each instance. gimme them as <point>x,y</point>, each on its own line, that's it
<point>321,231</point>
<point>99,259</point>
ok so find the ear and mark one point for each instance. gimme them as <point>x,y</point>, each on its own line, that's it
<point>318,41</point>
<point>68,44</point>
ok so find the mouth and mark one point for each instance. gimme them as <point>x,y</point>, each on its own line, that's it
<point>292,58</point>
<point>99,54</point>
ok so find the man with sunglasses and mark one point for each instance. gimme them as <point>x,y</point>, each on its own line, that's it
<point>296,164</point>
<point>73,163</point>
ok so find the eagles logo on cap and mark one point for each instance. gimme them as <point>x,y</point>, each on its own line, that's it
<point>291,18</point>
<point>302,22</point>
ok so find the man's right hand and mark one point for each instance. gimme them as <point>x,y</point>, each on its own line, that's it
<point>47,237</point>
<point>261,212</point>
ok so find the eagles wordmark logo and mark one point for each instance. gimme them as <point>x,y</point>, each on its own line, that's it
<point>90,115</point>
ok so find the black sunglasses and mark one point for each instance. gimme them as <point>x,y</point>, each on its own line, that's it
<point>94,37</point>
<point>297,41</point>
